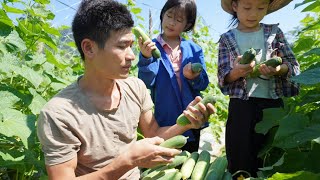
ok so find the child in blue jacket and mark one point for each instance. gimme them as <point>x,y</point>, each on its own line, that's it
<point>172,83</point>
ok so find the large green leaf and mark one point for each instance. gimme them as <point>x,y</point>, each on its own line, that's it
<point>12,9</point>
<point>313,7</point>
<point>37,102</point>
<point>299,138</point>
<point>15,42</point>
<point>300,175</point>
<point>5,19</point>
<point>52,59</point>
<point>289,126</point>
<point>314,51</point>
<point>15,123</point>
<point>7,99</point>
<point>271,118</point>
<point>304,44</point>
<point>32,76</point>
<point>308,77</point>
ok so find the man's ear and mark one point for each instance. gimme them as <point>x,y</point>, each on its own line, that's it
<point>88,47</point>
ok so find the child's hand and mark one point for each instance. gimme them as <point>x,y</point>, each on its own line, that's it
<point>146,47</point>
<point>188,73</point>
<point>239,70</point>
<point>268,70</point>
<point>242,70</point>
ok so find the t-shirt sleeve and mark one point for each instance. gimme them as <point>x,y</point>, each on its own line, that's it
<point>146,101</point>
<point>59,143</point>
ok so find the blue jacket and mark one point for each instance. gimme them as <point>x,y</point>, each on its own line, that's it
<point>159,77</point>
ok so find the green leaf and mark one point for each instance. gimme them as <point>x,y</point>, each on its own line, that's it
<point>278,163</point>
<point>51,30</point>
<point>7,99</point>
<point>308,77</point>
<point>315,117</point>
<point>48,41</point>
<point>32,76</point>
<point>51,59</point>
<point>290,125</point>
<point>42,1</point>
<point>271,118</point>
<point>37,102</point>
<point>314,51</point>
<point>14,40</point>
<point>136,10</point>
<point>300,175</point>
<point>5,19</point>
<point>299,138</point>
<point>55,79</point>
<point>314,7</point>
<point>12,9</point>
<point>14,123</point>
<point>304,44</point>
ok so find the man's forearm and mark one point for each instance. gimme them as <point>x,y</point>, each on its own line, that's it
<point>170,131</point>
<point>117,168</point>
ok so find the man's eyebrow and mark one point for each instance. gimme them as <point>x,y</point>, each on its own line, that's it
<point>125,41</point>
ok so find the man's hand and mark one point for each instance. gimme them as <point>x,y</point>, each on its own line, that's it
<point>199,116</point>
<point>147,153</point>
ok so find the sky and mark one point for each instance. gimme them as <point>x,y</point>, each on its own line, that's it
<point>218,20</point>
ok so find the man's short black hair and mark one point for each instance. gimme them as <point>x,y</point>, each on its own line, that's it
<point>95,19</point>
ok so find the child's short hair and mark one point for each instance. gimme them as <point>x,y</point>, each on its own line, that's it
<point>96,19</point>
<point>189,7</point>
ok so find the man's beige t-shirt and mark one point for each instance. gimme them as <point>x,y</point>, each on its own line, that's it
<point>69,126</point>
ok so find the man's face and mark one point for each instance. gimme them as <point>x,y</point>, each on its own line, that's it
<point>114,60</point>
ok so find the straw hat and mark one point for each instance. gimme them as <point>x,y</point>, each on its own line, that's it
<point>274,5</point>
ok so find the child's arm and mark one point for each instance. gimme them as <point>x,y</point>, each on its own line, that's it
<point>287,55</point>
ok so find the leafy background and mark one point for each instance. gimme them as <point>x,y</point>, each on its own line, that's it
<point>38,60</point>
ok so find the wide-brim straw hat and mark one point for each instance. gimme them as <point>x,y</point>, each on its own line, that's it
<point>274,5</point>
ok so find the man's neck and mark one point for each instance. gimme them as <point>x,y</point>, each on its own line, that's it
<point>104,93</point>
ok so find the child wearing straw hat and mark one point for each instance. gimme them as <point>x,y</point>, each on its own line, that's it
<point>250,95</point>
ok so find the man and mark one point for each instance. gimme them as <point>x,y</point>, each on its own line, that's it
<point>88,130</point>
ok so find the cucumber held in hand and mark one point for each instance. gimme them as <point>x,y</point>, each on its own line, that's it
<point>182,120</point>
<point>273,62</point>
<point>248,56</point>
<point>196,67</point>
<point>138,32</point>
<point>175,142</point>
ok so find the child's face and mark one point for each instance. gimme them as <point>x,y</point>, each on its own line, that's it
<point>250,13</point>
<point>174,22</point>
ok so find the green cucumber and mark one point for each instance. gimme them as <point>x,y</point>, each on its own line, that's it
<point>179,159</point>
<point>138,32</point>
<point>170,174</point>
<point>248,56</point>
<point>175,142</point>
<point>188,166</point>
<point>217,168</point>
<point>202,165</point>
<point>273,62</point>
<point>227,176</point>
<point>182,120</point>
<point>196,67</point>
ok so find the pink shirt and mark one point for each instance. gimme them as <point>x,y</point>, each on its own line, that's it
<point>175,56</point>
